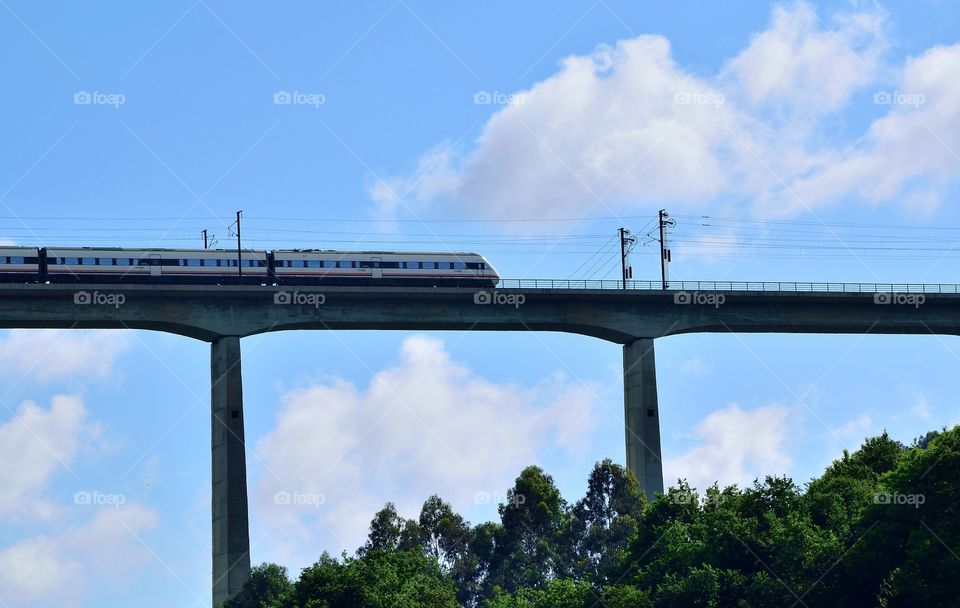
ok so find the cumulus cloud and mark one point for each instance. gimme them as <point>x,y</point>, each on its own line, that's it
<point>808,65</point>
<point>427,424</point>
<point>626,127</point>
<point>36,445</point>
<point>734,447</point>
<point>623,122</point>
<point>55,570</point>
<point>45,355</point>
<point>912,151</point>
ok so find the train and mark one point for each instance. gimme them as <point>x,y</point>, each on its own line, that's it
<point>243,266</point>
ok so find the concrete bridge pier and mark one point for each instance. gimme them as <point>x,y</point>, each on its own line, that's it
<point>642,415</point>
<point>231,534</point>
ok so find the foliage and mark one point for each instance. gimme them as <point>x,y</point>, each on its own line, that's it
<point>880,527</point>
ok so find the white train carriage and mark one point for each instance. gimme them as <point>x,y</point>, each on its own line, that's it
<point>156,265</point>
<point>19,264</point>
<point>381,267</point>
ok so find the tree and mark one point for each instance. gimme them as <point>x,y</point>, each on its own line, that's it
<point>377,579</point>
<point>389,531</point>
<point>601,524</point>
<point>909,537</point>
<point>444,535</point>
<point>526,549</point>
<point>267,587</point>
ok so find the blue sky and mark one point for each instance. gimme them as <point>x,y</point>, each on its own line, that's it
<point>602,113</point>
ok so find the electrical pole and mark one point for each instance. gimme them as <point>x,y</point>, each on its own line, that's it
<point>627,241</point>
<point>665,255</point>
<point>205,246</point>
<point>239,256</point>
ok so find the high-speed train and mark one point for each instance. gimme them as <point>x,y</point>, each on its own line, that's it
<point>248,266</point>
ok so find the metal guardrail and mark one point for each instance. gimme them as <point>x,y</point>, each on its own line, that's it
<point>759,286</point>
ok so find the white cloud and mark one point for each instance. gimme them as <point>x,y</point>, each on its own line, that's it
<point>44,355</point>
<point>735,447</point>
<point>802,63</point>
<point>630,126</point>
<point>36,445</point>
<point>425,425</point>
<point>855,429</point>
<point>920,408</point>
<point>695,367</point>
<point>55,570</point>
<point>606,125</point>
<point>912,152</point>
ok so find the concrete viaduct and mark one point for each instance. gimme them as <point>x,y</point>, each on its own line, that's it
<point>633,317</point>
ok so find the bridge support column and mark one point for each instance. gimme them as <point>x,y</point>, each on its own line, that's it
<point>231,535</point>
<point>642,415</point>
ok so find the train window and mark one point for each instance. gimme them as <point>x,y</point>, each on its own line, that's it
<point>193,262</point>
<point>366,264</point>
<point>105,261</point>
<point>459,265</point>
<point>73,261</point>
<point>430,265</point>
<point>89,261</point>
<point>313,263</point>
<point>122,261</point>
<point>329,263</point>
<point>16,259</point>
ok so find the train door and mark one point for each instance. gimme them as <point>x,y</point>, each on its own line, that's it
<point>377,270</point>
<point>155,264</point>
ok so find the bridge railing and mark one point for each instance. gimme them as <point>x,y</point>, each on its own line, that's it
<point>759,286</point>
